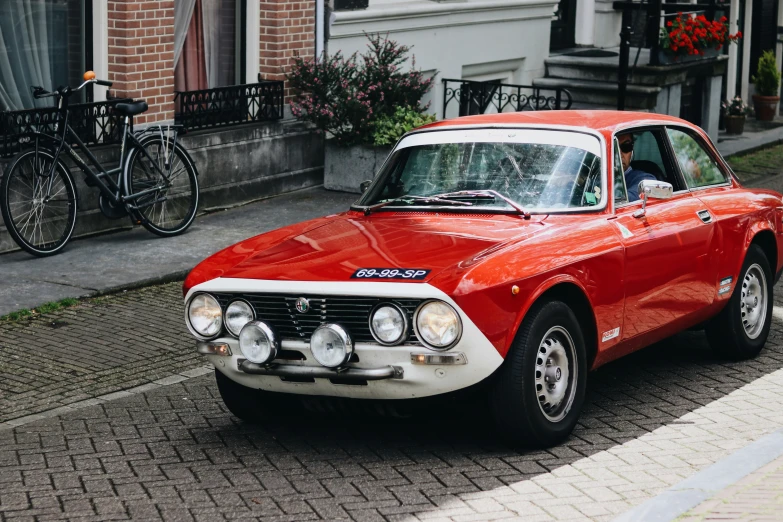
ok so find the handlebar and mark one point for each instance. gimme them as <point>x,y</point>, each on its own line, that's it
<point>89,78</point>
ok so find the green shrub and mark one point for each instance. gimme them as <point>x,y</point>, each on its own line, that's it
<point>389,129</point>
<point>767,78</point>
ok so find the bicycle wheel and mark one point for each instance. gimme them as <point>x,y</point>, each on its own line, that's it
<point>39,210</point>
<point>170,205</point>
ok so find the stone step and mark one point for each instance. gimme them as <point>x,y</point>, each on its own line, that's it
<point>606,69</point>
<point>638,97</point>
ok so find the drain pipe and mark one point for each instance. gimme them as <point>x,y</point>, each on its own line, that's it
<point>319,28</point>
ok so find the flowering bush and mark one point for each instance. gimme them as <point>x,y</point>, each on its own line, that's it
<point>735,107</point>
<point>692,35</point>
<point>347,97</point>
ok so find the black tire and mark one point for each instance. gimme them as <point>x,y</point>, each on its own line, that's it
<point>735,333</point>
<point>171,210</point>
<point>39,210</point>
<point>519,413</point>
<point>244,403</point>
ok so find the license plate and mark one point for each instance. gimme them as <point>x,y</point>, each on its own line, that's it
<point>390,273</point>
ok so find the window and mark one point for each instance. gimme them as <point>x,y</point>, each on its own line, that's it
<point>536,169</point>
<point>620,193</point>
<point>43,43</point>
<point>698,167</point>
<point>209,43</point>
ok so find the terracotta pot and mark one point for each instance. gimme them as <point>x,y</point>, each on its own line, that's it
<point>734,124</point>
<point>765,106</point>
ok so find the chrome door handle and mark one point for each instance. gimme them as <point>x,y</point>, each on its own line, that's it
<point>705,216</point>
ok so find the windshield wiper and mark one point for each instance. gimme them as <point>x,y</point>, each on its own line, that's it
<point>485,194</point>
<point>418,199</point>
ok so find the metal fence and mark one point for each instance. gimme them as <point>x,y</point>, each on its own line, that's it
<point>95,123</point>
<point>234,105</point>
<point>472,97</point>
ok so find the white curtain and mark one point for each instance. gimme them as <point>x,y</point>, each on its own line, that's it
<point>25,28</point>
<point>183,12</point>
<point>211,11</point>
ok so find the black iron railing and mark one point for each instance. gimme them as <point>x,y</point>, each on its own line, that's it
<point>95,123</point>
<point>234,105</point>
<point>474,97</point>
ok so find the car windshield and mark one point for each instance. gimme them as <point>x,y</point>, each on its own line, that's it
<point>491,170</point>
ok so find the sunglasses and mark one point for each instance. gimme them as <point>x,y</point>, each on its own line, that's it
<point>626,146</point>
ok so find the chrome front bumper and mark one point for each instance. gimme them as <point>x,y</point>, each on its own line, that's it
<point>347,374</point>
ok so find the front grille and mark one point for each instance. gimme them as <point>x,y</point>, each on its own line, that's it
<point>351,312</point>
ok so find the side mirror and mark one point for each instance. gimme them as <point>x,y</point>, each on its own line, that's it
<point>364,185</point>
<point>652,189</point>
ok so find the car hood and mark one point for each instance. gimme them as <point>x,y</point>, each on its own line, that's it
<point>338,247</point>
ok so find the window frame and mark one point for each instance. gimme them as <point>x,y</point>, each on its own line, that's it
<point>709,150</point>
<point>667,155</point>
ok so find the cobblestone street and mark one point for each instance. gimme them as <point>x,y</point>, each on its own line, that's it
<point>174,453</point>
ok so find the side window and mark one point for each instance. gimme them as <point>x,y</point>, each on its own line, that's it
<point>620,194</point>
<point>697,166</point>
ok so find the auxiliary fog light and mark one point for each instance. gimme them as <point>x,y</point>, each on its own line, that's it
<point>438,325</point>
<point>258,342</point>
<point>388,324</point>
<point>331,345</point>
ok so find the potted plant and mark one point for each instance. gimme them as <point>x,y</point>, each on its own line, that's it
<point>361,104</point>
<point>690,36</point>
<point>734,113</point>
<point>767,82</point>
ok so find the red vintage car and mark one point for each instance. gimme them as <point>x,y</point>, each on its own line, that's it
<point>516,251</point>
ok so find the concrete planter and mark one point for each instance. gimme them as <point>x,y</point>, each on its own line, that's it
<point>346,167</point>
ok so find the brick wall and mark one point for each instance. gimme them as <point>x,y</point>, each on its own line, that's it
<point>141,54</point>
<point>287,30</point>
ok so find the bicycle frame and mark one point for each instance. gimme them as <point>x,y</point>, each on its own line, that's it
<point>111,189</point>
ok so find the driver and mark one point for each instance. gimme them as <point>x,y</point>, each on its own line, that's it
<point>632,176</point>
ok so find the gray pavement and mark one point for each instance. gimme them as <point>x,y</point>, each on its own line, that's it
<point>104,263</point>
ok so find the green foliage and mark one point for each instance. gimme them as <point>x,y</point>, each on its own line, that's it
<point>767,77</point>
<point>389,129</point>
<point>346,97</point>
<point>45,308</point>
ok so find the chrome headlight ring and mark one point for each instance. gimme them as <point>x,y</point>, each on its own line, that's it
<point>225,316</point>
<point>405,328</point>
<point>423,339</point>
<point>188,321</point>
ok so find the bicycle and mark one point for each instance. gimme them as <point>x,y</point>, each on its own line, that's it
<point>38,196</point>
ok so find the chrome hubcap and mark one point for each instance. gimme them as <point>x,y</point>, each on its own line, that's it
<point>555,373</point>
<point>753,303</point>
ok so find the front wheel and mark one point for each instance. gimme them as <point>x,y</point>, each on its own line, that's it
<point>741,329</point>
<point>537,397</point>
<point>38,203</point>
<point>162,186</point>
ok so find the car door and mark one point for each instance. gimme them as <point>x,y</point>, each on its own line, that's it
<point>667,266</point>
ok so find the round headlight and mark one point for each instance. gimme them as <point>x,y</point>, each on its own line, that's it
<point>438,325</point>
<point>331,345</point>
<point>205,315</point>
<point>238,314</point>
<point>388,324</point>
<point>258,342</point>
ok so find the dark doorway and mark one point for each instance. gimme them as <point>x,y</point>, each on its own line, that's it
<point>765,27</point>
<point>563,25</point>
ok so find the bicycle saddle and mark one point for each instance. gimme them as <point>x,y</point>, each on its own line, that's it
<point>131,109</point>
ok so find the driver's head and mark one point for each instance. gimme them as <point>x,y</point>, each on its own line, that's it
<point>626,149</point>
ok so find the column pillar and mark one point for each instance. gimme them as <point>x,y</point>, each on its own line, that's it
<point>584,32</point>
<point>287,30</point>
<point>746,28</point>
<point>141,55</point>
<point>731,72</point>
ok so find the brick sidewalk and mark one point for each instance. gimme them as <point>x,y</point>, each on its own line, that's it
<point>100,346</point>
<point>757,497</point>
